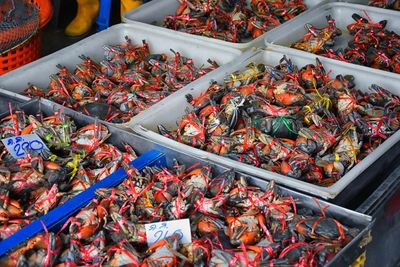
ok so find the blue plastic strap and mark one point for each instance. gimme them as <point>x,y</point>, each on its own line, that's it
<point>103,19</point>
<point>69,208</point>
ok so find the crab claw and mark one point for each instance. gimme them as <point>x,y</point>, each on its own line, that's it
<point>358,18</point>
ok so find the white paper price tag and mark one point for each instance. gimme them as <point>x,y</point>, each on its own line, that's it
<point>17,145</point>
<point>161,230</point>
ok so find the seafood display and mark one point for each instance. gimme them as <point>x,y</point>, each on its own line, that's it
<point>370,45</point>
<point>232,21</point>
<point>70,194</point>
<point>40,180</point>
<point>390,4</point>
<point>292,120</point>
<point>232,224</point>
<point>127,81</point>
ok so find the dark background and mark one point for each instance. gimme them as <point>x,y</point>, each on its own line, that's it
<point>54,39</point>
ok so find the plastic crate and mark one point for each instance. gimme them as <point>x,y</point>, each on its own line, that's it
<point>345,189</point>
<point>294,30</point>
<point>152,14</point>
<point>38,72</point>
<point>384,206</point>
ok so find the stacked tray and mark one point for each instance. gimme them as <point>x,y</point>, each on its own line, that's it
<point>344,190</point>
<point>151,15</point>
<point>56,218</point>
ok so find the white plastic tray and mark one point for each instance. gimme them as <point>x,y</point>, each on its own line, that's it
<point>38,72</point>
<point>169,112</point>
<point>152,15</point>
<point>294,30</point>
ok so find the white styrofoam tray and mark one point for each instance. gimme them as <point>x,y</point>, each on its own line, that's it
<point>38,72</point>
<point>168,113</point>
<point>152,15</point>
<point>294,30</point>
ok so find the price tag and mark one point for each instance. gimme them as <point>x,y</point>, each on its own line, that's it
<point>160,230</point>
<point>17,145</point>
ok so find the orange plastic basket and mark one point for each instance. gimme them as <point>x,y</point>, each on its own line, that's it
<point>29,50</point>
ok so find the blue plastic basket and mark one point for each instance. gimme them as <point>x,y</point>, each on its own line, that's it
<point>58,216</point>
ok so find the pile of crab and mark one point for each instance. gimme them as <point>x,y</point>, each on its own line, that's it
<point>232,224</point>
<point>126,82</point>
<point>370,45</point>
<point>296,121</point>
<point>74,160</point>
<point>390,4</point>
<point>232,20</point>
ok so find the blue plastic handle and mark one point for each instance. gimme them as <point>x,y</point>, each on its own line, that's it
<point>69,208</point>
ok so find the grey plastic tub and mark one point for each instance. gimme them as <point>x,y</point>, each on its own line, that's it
<point>7,98</point>
<point>353,219</point>
<point>38,72</point>
<point>294,30</point>
<point>169,112</point>
<point>152,14</point>
<point>383,206</point>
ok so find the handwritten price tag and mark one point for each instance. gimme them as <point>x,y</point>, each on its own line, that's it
<point>160,230</point>
<point>18,145</point>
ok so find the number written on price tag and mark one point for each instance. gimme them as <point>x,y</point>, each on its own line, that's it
<point>18,145</point>
<point>160,230</point>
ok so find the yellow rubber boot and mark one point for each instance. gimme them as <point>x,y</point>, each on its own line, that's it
<point>84,19</point>
<point>127,5</point>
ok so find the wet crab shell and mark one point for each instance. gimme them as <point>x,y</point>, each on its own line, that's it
<point>323,228</point>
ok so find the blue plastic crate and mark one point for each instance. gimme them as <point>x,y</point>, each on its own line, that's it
<point>58,216</point>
